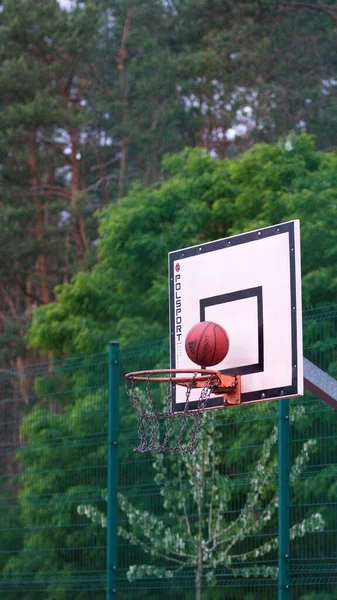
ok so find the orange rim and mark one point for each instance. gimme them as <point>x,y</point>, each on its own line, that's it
<point>171,375</point>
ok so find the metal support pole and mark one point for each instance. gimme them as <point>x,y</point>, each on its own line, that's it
<point>320,383</point>
<point>283,500</point>
<point>112,499</point>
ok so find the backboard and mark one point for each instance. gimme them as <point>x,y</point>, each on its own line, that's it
<point>251,285</point>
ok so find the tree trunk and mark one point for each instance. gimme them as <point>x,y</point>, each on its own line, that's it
<point>121,59</point>
<point>41,264</point>
<point>80,229</point>
<point>122,169</point>
<point>198,576</point>
<point>42,271</point>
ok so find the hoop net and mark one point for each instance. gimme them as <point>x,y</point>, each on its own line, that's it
<point>159,428</point>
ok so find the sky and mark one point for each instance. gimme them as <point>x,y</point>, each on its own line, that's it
<point>65,3</point>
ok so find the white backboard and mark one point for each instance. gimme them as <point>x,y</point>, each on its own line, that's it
<point>251,285</point>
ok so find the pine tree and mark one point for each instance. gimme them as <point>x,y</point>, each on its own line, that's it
<point>42,88</point>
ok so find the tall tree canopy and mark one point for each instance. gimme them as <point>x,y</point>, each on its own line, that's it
<point>94,95</point>
<point>197,199</point>
<point>43,119</point>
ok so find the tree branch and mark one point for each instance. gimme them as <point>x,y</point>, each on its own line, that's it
<point>26,293</point>
<point>310,6</point>
<point>151,549</point>
<point>217,525</point>
<point>122,54</point>
<point>187,522</point>
<point>47,191</point>
<point>210,515</point>
<point>95,186</point>
<point>9,302</point>
<point>106,164</point>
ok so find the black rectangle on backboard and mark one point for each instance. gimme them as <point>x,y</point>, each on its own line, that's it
<point>236,296</point>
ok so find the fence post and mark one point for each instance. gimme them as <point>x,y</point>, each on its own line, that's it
<point>112,500</point>
<point>283,500</point>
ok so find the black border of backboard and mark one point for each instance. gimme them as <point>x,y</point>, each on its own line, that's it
<point>229,242</point>
<point>255,292</point>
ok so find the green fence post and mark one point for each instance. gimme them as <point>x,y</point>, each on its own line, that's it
<point>112,500</point>
<point>283,500</point>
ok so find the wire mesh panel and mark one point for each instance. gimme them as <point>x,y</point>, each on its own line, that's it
<point>314,502</point>
<point>54,461</point>
<point>201,526</point>
<point>206,526</point>
<point>313,556</point>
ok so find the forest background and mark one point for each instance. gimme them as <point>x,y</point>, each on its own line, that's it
<point>129,129</point>
<point>92,99</point>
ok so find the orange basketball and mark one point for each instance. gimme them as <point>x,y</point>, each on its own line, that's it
<point>207,344</point>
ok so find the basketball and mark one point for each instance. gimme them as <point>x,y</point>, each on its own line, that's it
<point>207,344</point>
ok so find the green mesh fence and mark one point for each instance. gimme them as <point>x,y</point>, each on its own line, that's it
<point>198,527</point>
<point>53,459</point>
<point>313,563</point>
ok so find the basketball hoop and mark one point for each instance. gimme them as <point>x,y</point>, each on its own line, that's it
<point>167,430</point>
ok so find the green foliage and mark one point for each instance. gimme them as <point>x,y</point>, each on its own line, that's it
<point>197,199</point>
<point>225,493</point>
<point>317,596</point>
<point>63,463</point>
<point>215,522</point>
<point>132,81</point>
<point>94,96</point>
<point>43,75</point>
